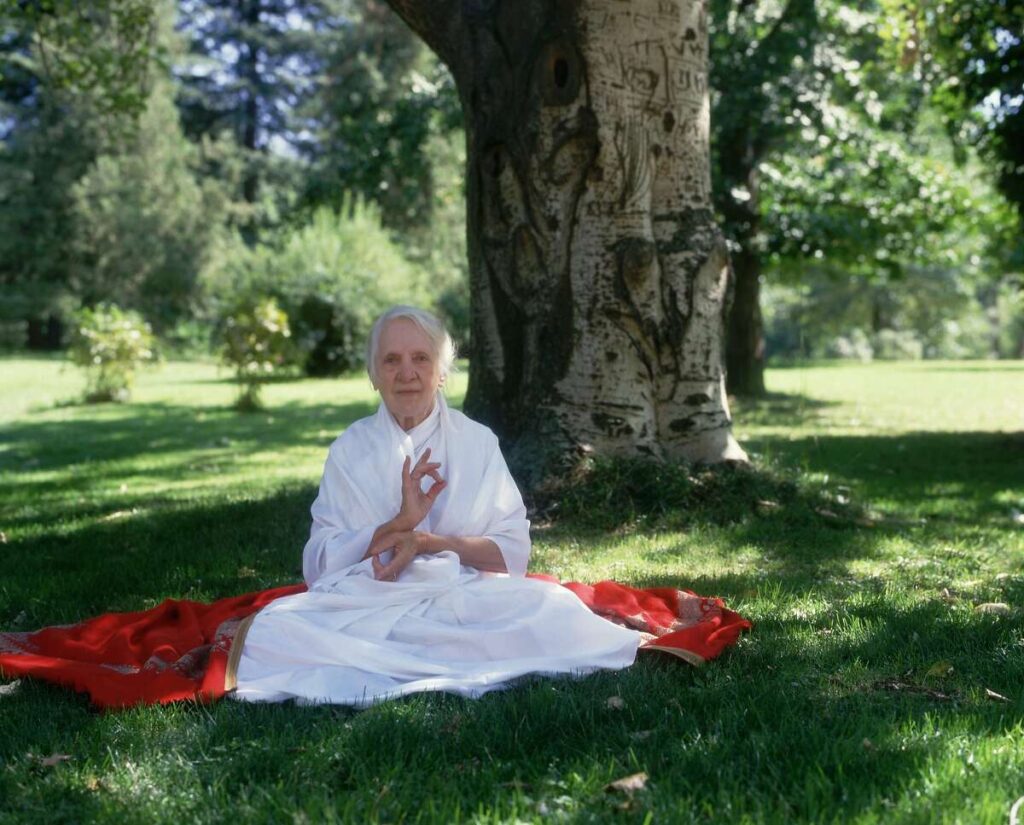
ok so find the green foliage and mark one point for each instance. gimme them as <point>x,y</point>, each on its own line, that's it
<point>384,101</point>
<point>332,276</point>
<point>98,202</point>
<point>46,152</point>
<point>970,55</point>
<point>257,343</point>
<point>143,223</point>
<point>936,312</point>
<point>103,48</point>
<point>110,344</point>
<point>1009,315</point>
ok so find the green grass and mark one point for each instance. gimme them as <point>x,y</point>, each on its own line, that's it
<point>831,710</point>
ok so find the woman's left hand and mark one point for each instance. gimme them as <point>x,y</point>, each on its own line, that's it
<point>406,546</point>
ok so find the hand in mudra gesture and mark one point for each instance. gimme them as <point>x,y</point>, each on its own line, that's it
<point>416,503</point>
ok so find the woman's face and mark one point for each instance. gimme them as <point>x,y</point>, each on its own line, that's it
<point>408,372</point>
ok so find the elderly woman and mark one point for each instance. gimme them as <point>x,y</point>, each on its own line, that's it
<point>416,557</point>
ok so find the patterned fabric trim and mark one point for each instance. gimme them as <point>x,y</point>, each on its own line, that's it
<point>231,672</point>
<point>16,643</point>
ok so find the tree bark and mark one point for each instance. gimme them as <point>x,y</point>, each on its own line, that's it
<point>598,275</point>
<point>745,347</point>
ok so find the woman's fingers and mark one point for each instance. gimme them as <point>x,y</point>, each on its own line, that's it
<point>425,470</point>
<point>389,541</point>
<point>436,488</point>
<point>391,570</point>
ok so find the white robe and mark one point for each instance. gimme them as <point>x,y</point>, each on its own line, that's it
<point>353,640</point>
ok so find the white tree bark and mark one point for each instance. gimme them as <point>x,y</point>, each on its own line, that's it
<point>599,278</point>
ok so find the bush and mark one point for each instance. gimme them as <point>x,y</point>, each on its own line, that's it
<point>257,342</point>
<point>854,345</point>
<point>334,276</point>
<point>110,344</point>
<point>898,345</point>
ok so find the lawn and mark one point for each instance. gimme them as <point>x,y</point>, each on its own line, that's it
<point>872,688</point>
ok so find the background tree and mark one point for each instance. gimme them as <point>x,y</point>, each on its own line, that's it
<point>100,198</point>
<point>382,97</point>
<point>817,147</point>
<point>253,63</point>
<point>143,223</point>
<point>49,137</point>
<point>763,74</point>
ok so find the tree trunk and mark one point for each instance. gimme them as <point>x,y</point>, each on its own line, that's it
<point>45,333</point>
<point>744,350</point>
<point>598,275</point>
<point>249,113</point>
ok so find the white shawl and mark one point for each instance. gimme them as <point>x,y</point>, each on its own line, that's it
<point>361,489</point>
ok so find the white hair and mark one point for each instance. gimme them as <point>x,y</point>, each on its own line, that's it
<point>440,341</point>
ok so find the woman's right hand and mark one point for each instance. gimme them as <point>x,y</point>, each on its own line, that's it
<point>416,503</point>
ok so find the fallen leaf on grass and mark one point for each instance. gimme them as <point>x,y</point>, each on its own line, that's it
<point>994,609</point>
<point>640,735</point>
<point>615,703</point>
<point>53,760</point>
<point>628,784</point>
<point>3,537</point>
<point>995,697</point>
<point>946,596</point>
<point>824,513</point>
<point>939,670</point>
<point>765,507</point>
<point>867,744</point>
<point>246,572</point>
<point>9,690</point>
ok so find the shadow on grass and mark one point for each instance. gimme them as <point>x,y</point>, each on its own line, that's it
<point>184,550</point>
<point>916,471</point>
<point>78,454</point>
<point>117,433</point>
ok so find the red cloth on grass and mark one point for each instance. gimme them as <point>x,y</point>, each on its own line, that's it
<point>180,649</point>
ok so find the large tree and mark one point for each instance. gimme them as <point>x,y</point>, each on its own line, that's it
<point>599,278</point>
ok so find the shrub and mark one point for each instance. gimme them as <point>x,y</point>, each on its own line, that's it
<point>110,343</point>
<point>257,342</point>
<point>855,345</point>
<point>898,345</point>
<point>334,276</point>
